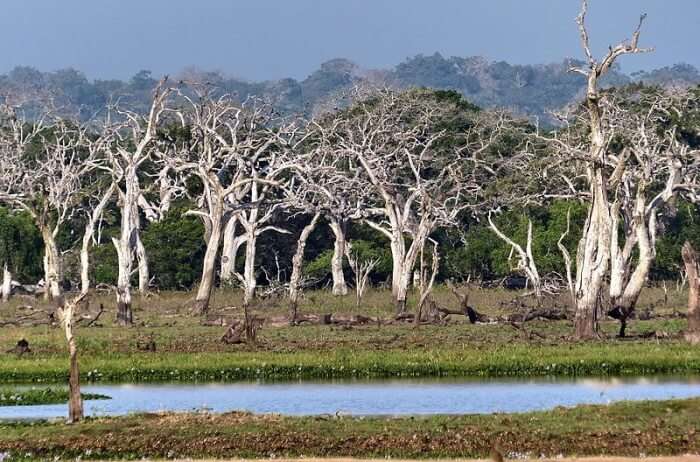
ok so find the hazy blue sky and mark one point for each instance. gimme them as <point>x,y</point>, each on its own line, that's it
<point>269,39</point>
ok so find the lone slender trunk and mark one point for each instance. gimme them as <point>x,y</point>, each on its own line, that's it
<point>339,229</point>
<point>208,274</point>
<point>75,402</point>
<point>692,268</point>
<point>297,262</point>
<point>6,284</point>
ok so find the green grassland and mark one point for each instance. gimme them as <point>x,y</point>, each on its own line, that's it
<point>188,350</point>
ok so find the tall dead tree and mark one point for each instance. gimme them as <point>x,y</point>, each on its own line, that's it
<point>225,140</point>
<point>42,169</point>
<point>593,255</point>
<point>129,143</point>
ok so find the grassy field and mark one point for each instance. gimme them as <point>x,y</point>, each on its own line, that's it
<point>627,429</point>
<point>187,350</point>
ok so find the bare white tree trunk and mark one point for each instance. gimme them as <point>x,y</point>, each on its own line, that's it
<point>340,287</point>
<point>88,237</point>
<point>125,247</point>
<point>144,274</point>
<point>52,265</point>
<point>249,278</point>
<point>206,284</point>
<point>6,284</point>
<point>230,250</point>
<point>297,262</point>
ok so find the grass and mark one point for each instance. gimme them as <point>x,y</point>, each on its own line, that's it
<point>629,428</point>
<point>35,396</point>
<point>188,351</point>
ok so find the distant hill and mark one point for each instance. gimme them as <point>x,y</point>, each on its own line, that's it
<point>529,90</point>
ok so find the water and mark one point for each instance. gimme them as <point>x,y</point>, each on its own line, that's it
<point>391,397</point>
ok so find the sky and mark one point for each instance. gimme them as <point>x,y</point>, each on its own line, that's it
<point>272,39</point>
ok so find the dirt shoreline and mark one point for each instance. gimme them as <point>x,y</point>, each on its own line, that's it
<point>686,458</point>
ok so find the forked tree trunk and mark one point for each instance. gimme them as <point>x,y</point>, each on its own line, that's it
<point>339,229</point>
<point>624,297</point>
<point>692,268</point>
<point>297,262</point>
<point>206,284</point>
<point>6,284</point>
<point>406,264</point>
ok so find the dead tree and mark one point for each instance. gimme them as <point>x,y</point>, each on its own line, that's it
<point>654,167</point>
<point>47,182</point>
<point>589,152</point>
<point>227,142</point>
<point>393,139</point>
<point>361,268</point>
<point>526,260</point>
<point>692,268</point>
<point>129,142</point>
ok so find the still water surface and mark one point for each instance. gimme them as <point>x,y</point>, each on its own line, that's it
<point>390,397</point>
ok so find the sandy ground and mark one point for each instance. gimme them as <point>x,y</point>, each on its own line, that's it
<point>583,459</point>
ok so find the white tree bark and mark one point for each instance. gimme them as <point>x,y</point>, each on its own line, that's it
<point>340,287</point>
<point>52,262</point>
<point>206,284</point>
<point>88,237</point>
<point>297,263</point>
<point>231,244</point>
<point>6,283</point>
<point>526,260</point>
